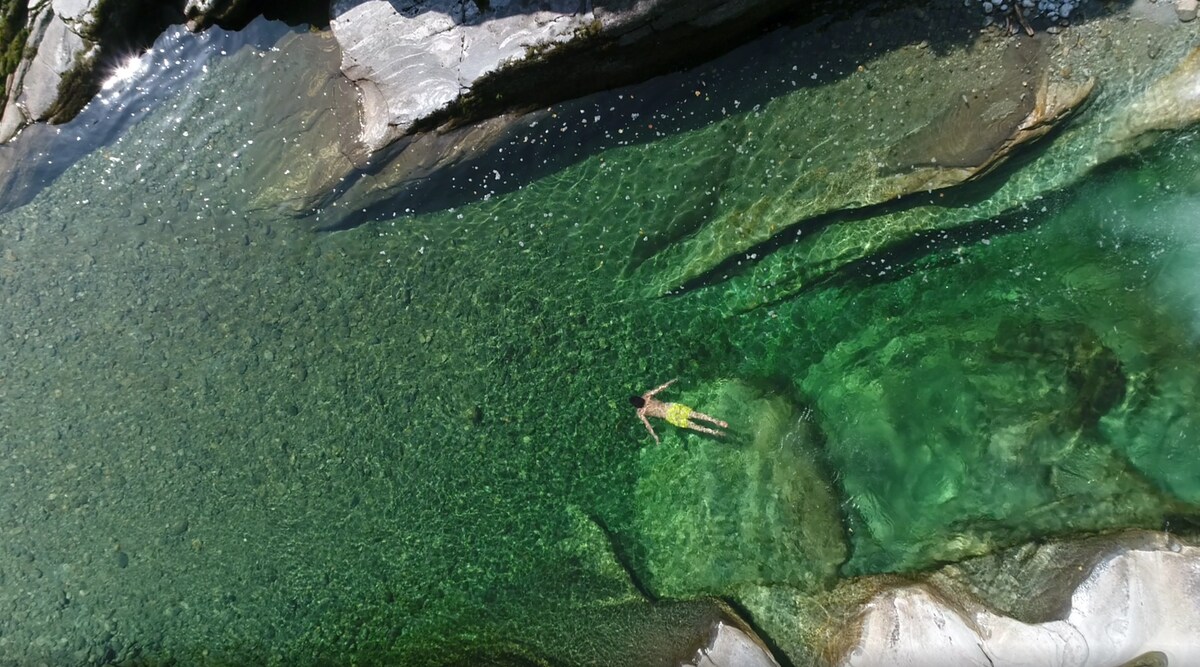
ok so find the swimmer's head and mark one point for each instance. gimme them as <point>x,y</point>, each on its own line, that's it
<point>637,401</point>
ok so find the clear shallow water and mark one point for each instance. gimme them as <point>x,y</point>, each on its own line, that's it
<point>229,440</point>
<point>142,84</point>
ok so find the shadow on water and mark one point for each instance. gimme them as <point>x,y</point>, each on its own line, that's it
<point>809,45</point>
<point>911,249</point>
<point>41,153</point>
<point>804,48</point>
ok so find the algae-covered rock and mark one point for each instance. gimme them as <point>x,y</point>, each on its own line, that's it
<point>863,142</point>
<point>941,459</point>
<point>716,515</point>
<point>884,145</point>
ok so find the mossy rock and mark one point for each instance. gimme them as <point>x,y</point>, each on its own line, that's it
<point>717,514</point>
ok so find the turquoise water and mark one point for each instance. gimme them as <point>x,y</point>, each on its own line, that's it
<point>229,439</point>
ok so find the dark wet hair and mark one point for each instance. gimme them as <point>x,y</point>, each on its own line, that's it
<point>637,401</point>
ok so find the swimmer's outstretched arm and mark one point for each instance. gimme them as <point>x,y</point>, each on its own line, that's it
<point>648,426</point>
<point>660,387</point>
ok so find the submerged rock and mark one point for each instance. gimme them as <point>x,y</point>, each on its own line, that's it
<point>992,99</point>
<point>1105,602</point>
<point>863,142</point>
<point>1170,103</point>
<point>1137,97</point>
<point>969,140</point>
<point>718,515</point>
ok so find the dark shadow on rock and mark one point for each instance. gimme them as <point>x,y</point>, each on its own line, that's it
<point>122,28</point>
<point>237,14</point>
<point>838,37</point>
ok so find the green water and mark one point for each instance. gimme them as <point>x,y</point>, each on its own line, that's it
<point>230,440</point>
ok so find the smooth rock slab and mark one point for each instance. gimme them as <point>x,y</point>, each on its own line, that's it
<point>36,81</point>
<point>730,646</point>
<point>1139,605</point>
<point>411,59</point>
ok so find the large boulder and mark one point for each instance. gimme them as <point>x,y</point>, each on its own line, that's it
<point>70,48</point>
<point>1105,602</point>
<point>57,41</point>
<point>422,64</point>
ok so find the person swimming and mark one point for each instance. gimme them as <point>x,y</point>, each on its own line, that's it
<point>675,414</point>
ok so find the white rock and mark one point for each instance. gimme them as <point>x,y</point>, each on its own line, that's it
<point>1185,9</point>
<point>1132,603</point>
<point>412,63</point>
<point>74,10</point>
<point>731,647</point>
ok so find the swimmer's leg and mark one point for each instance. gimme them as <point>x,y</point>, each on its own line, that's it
<point>704,429</point>
<point>701,415</point>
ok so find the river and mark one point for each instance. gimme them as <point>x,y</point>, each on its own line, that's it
<point>231,436</point>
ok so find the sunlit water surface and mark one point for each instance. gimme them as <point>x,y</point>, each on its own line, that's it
<point>226,438</point>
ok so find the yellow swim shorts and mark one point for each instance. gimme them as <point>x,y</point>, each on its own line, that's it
<point>677,414</point>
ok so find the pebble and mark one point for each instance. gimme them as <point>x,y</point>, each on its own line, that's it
<point>1186,10</point>
<point>1051,9</point>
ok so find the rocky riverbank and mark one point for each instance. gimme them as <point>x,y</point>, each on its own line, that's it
<point>469,60</point>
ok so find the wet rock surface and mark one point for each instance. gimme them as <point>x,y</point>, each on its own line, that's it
<point>1088,108</point>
